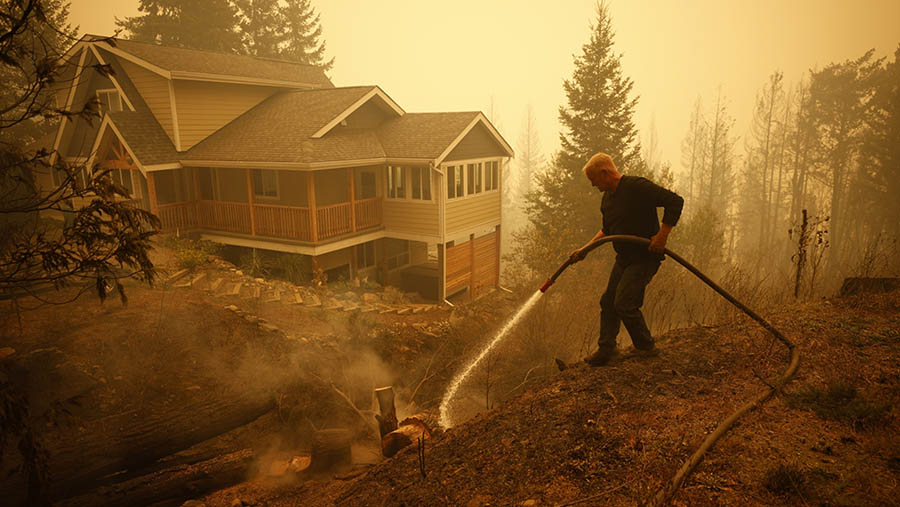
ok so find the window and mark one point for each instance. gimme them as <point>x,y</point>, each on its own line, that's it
<point>265,183</point>
<point>455,186</point>
<point>479,178</point>
<point>470,173</point>
<point>396,253</point>
<point>396,182</point>
<point>491,175</point>
<point>110,101</point>
<point>365,255</point>
<point>421,183</point>
<point>127,179</point>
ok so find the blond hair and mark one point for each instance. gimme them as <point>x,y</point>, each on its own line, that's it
<point>598,163</point>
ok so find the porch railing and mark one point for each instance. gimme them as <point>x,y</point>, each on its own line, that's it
<point>179,215</point>
<point>291,222</point>
<point>282,221</point>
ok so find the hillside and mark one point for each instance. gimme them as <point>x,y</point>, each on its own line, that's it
<point>615,435</point>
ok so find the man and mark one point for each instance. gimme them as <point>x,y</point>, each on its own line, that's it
<point>629,207</point>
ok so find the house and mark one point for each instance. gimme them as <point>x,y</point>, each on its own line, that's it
<point>268,154</point>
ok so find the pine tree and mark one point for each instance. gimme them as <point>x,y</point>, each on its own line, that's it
<point>563,205</point>
<point>303,40</point>
<point>262,27</point>
<point>195,24</point>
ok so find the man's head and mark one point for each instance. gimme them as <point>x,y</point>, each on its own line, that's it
<point>602,172</point>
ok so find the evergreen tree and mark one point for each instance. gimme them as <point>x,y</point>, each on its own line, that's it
<point>303,41</point>
<point>564,207</point>
<point>262,27</point>
<point>195,24</point>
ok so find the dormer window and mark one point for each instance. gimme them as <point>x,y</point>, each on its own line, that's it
<point>110,101</point>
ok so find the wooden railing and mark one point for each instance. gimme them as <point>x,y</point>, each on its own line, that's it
<point>179,215</point>
<point>368,212</point>
<point>333,220</point>
<point>224,216</point>
<point>291,222</point>
<point>282,221</point>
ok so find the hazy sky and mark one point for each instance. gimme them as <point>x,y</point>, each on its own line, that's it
<point>462,55</point>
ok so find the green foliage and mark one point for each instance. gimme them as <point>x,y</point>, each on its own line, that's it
<point>200,24</point>
<point>288,30</point>
<point>191,254</point>
<point>563,205</point>
<point>839,401</point>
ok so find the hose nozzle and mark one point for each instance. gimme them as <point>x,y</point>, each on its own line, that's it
<point>546,285</point>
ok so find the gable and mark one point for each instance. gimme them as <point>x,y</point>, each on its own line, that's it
<point>154,89</point>
<point>478,143</point>
<point>367,116</point>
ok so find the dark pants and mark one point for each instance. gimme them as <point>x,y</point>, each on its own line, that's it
<point>622,301</point>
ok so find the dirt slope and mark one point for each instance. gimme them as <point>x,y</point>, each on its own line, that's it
<point>615,435</point>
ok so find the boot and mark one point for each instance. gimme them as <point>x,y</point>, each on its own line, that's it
<point>601,357</point>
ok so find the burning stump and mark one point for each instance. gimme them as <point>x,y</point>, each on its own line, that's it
<point>397,436</point>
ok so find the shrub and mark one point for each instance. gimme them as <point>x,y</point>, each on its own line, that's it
<point>785,480</point>
<point>839,401</point>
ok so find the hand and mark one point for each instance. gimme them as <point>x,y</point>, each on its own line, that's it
<point>658,242</point>
<point>577,255</point>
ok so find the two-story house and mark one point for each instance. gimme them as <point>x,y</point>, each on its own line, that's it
<point>268,154</point>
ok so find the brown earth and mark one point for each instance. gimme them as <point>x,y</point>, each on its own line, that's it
<point>615,435</point>
<point>611,435</point>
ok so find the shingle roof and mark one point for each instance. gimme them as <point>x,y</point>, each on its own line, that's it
<point>279,129</point>
<point>422,135</point>
<point>145,137</point>
<point>224,64</point>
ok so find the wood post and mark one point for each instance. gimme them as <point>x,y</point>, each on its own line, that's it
<point>354,262</point>
<point>151,193</point>
<point>250,202</point>
<point>387,418</point>
<point>352,199</point>
<point>497,245</point>
<point>472,264</point>
<point>442,272</point>
<point>311,202</point>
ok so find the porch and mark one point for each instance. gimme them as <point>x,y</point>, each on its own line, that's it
<point>308,207</point>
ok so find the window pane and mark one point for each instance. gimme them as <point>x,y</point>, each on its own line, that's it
<point>495,174</point>
<point>471,178</point>
<point>459,182</point>
<point>451,183</point>
<point>401,182</point>
<point>478,177</point>
<point>426,184</point>
<point>416,183</point>
<point>126,180</point>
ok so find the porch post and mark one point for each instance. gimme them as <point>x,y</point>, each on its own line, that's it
<point>442,273</point>
<point>497,238</point>
<point>151,193</point>
<point>311,202</point>
<point>472,264</point>
<point>352,201</point>
<point>250,202</point>
<point>354,263</point>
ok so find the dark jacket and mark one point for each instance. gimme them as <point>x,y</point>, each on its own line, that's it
<point>631,209</point>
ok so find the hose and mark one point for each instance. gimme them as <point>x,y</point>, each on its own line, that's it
<point>666,493</point>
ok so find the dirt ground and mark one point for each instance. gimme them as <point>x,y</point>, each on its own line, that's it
<point>598,436</point>
<point>615,435</point>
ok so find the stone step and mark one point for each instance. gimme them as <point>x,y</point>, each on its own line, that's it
<point>313,300</point>
<point>214,286</point>
<point>291,298</point>
<point>234,290</point>
<point>404,311</point>
<point>253,292</point>
<point>271,297</point>
<point>197,279</point>
<point>178,274</point>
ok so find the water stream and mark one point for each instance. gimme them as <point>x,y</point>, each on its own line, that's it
<point>445,419</point>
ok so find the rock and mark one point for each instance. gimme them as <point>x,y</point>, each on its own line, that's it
<point>369,298</point>
<point>231,308</point>
<point>193,503</point>
<point>530,502</point>
<point>350,295</point>
<point>6,352</point>
<point>237,503</point>
<point>259,280</point>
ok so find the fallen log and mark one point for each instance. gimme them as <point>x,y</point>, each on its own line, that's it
<point>129,441</point>
<point>178,483</point>
<point>410,430</point>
